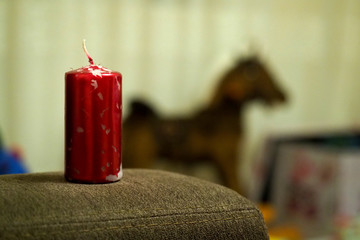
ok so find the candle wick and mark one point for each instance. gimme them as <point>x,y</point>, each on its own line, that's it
<point>87,53</point>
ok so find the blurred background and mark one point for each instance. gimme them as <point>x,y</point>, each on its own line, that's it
<point>169,53</point>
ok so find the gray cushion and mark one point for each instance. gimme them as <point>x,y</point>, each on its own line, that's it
<point>144,204</point>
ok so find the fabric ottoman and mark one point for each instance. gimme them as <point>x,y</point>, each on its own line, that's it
<point>144,204</point>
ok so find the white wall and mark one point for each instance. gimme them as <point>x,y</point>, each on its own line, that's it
<point>167,51</point>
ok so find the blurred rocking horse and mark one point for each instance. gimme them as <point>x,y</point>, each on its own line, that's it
<point>212,134</point>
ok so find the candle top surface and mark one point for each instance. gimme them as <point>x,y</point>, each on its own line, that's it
<point>93,69</point>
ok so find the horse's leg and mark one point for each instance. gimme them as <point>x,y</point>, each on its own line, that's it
<point>140,148</point>
<point>229,173</point>
<point>226,159</point>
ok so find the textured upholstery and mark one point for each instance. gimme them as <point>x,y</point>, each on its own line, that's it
<point>144,204</point>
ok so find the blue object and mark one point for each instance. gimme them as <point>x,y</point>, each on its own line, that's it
<point>10,164</point>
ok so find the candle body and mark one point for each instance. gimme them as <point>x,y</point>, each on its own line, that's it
<point>93,124</point>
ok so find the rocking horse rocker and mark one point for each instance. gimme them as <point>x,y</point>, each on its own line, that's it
<point>212,134</point>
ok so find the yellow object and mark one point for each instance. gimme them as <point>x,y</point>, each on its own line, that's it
<point>276,238</point>
<point>268,212</point>
<point>281,232</point>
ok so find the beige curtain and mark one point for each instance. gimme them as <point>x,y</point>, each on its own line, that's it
<point>167,51</point>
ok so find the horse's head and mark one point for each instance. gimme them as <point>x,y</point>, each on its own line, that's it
<point>248,80</point>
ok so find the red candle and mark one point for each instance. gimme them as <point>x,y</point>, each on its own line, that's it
<point>93,117</point>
